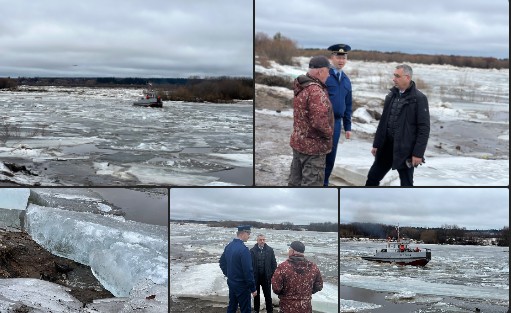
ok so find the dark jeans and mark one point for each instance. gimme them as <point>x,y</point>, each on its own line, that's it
<point>266,286</point>
<point>330,158</point>
<point>238,296</point>
<point>382,165</point>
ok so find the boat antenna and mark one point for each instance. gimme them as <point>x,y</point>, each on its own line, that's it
<point>397,228</point>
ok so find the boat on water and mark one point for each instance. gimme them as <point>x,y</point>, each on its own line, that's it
<point>149,99</point>
<point>399,252</point>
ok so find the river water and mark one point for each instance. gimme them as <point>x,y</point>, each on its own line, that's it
<point>95,136</point>
<point>457,279</point>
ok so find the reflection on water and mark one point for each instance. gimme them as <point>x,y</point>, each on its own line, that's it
<point>148,205</point>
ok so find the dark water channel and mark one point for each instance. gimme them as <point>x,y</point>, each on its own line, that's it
<point>149,206</point>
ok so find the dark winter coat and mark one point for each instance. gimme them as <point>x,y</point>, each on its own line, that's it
<point>412,125</point>
<point>236,264</point>
<point>294,281</point>
<point>270,263</point>
<point>340,95</point>
<point>313,116</point>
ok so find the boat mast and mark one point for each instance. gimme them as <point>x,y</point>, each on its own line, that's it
<point>397,228</point>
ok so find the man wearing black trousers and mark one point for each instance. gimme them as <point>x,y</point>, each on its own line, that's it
<point>264,264</point>
<point>403,130</point>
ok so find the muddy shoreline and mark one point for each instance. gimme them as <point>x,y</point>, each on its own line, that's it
<point>205,305</point>
<point>22,257</point>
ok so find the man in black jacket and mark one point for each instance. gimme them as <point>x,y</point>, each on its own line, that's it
<point>264,264</point>
<point>403,132</point>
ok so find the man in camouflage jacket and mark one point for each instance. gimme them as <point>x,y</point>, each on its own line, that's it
<point>295,280</point>
<point>313,125</point>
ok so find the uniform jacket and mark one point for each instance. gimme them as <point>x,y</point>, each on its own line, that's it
<point>294,281</point>
<point>340,95</point>
<point>313,117</point>
<point>270,263</point>
<point>236,264</point>
<point>411,128</point>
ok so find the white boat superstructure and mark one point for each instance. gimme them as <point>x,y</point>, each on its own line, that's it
<point>150,99</point>
<point>399,252</point>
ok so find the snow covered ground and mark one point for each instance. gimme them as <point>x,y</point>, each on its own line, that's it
<point>105,140</point>
<point>469,140</point>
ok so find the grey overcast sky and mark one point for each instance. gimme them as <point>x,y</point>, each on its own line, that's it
<point>473,208</point>
<point>459,27</point>
<point>126,38</point>
<point>273,205</point>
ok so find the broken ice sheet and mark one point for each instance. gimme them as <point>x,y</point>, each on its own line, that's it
<point>120,253</point>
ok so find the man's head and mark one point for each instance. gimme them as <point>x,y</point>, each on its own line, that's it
<point>296,248</point>
<point>339,55</point>
<point>261,240</point>
<point>318,67</point>
<point>243,232</point>
<point>402,76</point>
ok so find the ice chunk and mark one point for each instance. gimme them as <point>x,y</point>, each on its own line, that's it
<point>356,306</point>
<point>14,198</point>
<point>13,203</point>
<point>146,297</point>
<point>202,280</point>
<point>120,253</point>
<point>37,295</point>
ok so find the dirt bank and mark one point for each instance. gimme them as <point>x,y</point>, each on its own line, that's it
<point>21,257</point>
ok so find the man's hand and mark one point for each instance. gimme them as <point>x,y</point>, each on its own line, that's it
<point>416,161</point>
<point>348,135</point>
<point>373,151</point>
<point>254,293</point>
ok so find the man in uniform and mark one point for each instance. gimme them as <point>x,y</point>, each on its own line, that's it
<point>295,280</point>
<point>340,95</point>
<point>264,263</point>
<point>236,264</point>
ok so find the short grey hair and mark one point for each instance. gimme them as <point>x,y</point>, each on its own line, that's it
<point>407,69</point>
<point>261,235</point>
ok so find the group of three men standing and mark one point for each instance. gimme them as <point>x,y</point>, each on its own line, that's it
<point>323,103</point>
<point>294,280</point>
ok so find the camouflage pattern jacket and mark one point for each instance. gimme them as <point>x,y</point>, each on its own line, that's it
<point>313,125</point>
<point>294,281</point>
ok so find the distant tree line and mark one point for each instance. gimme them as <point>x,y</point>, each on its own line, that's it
<point>98,81</point>
<point>193,89</point>
<point>8,83</point>
<point>219,89</point>
<point>319,227</point>
<point>446,234</point>
<point>282,50</point>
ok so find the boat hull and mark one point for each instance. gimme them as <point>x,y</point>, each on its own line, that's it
<point>152,105</point>
<point>400,261</point>
<point>144,103</point>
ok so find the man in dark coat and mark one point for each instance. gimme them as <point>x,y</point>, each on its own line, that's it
<point>403,132</point>
<point>264,264</point>
<point>295,280</point>
<point>236,264</point>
